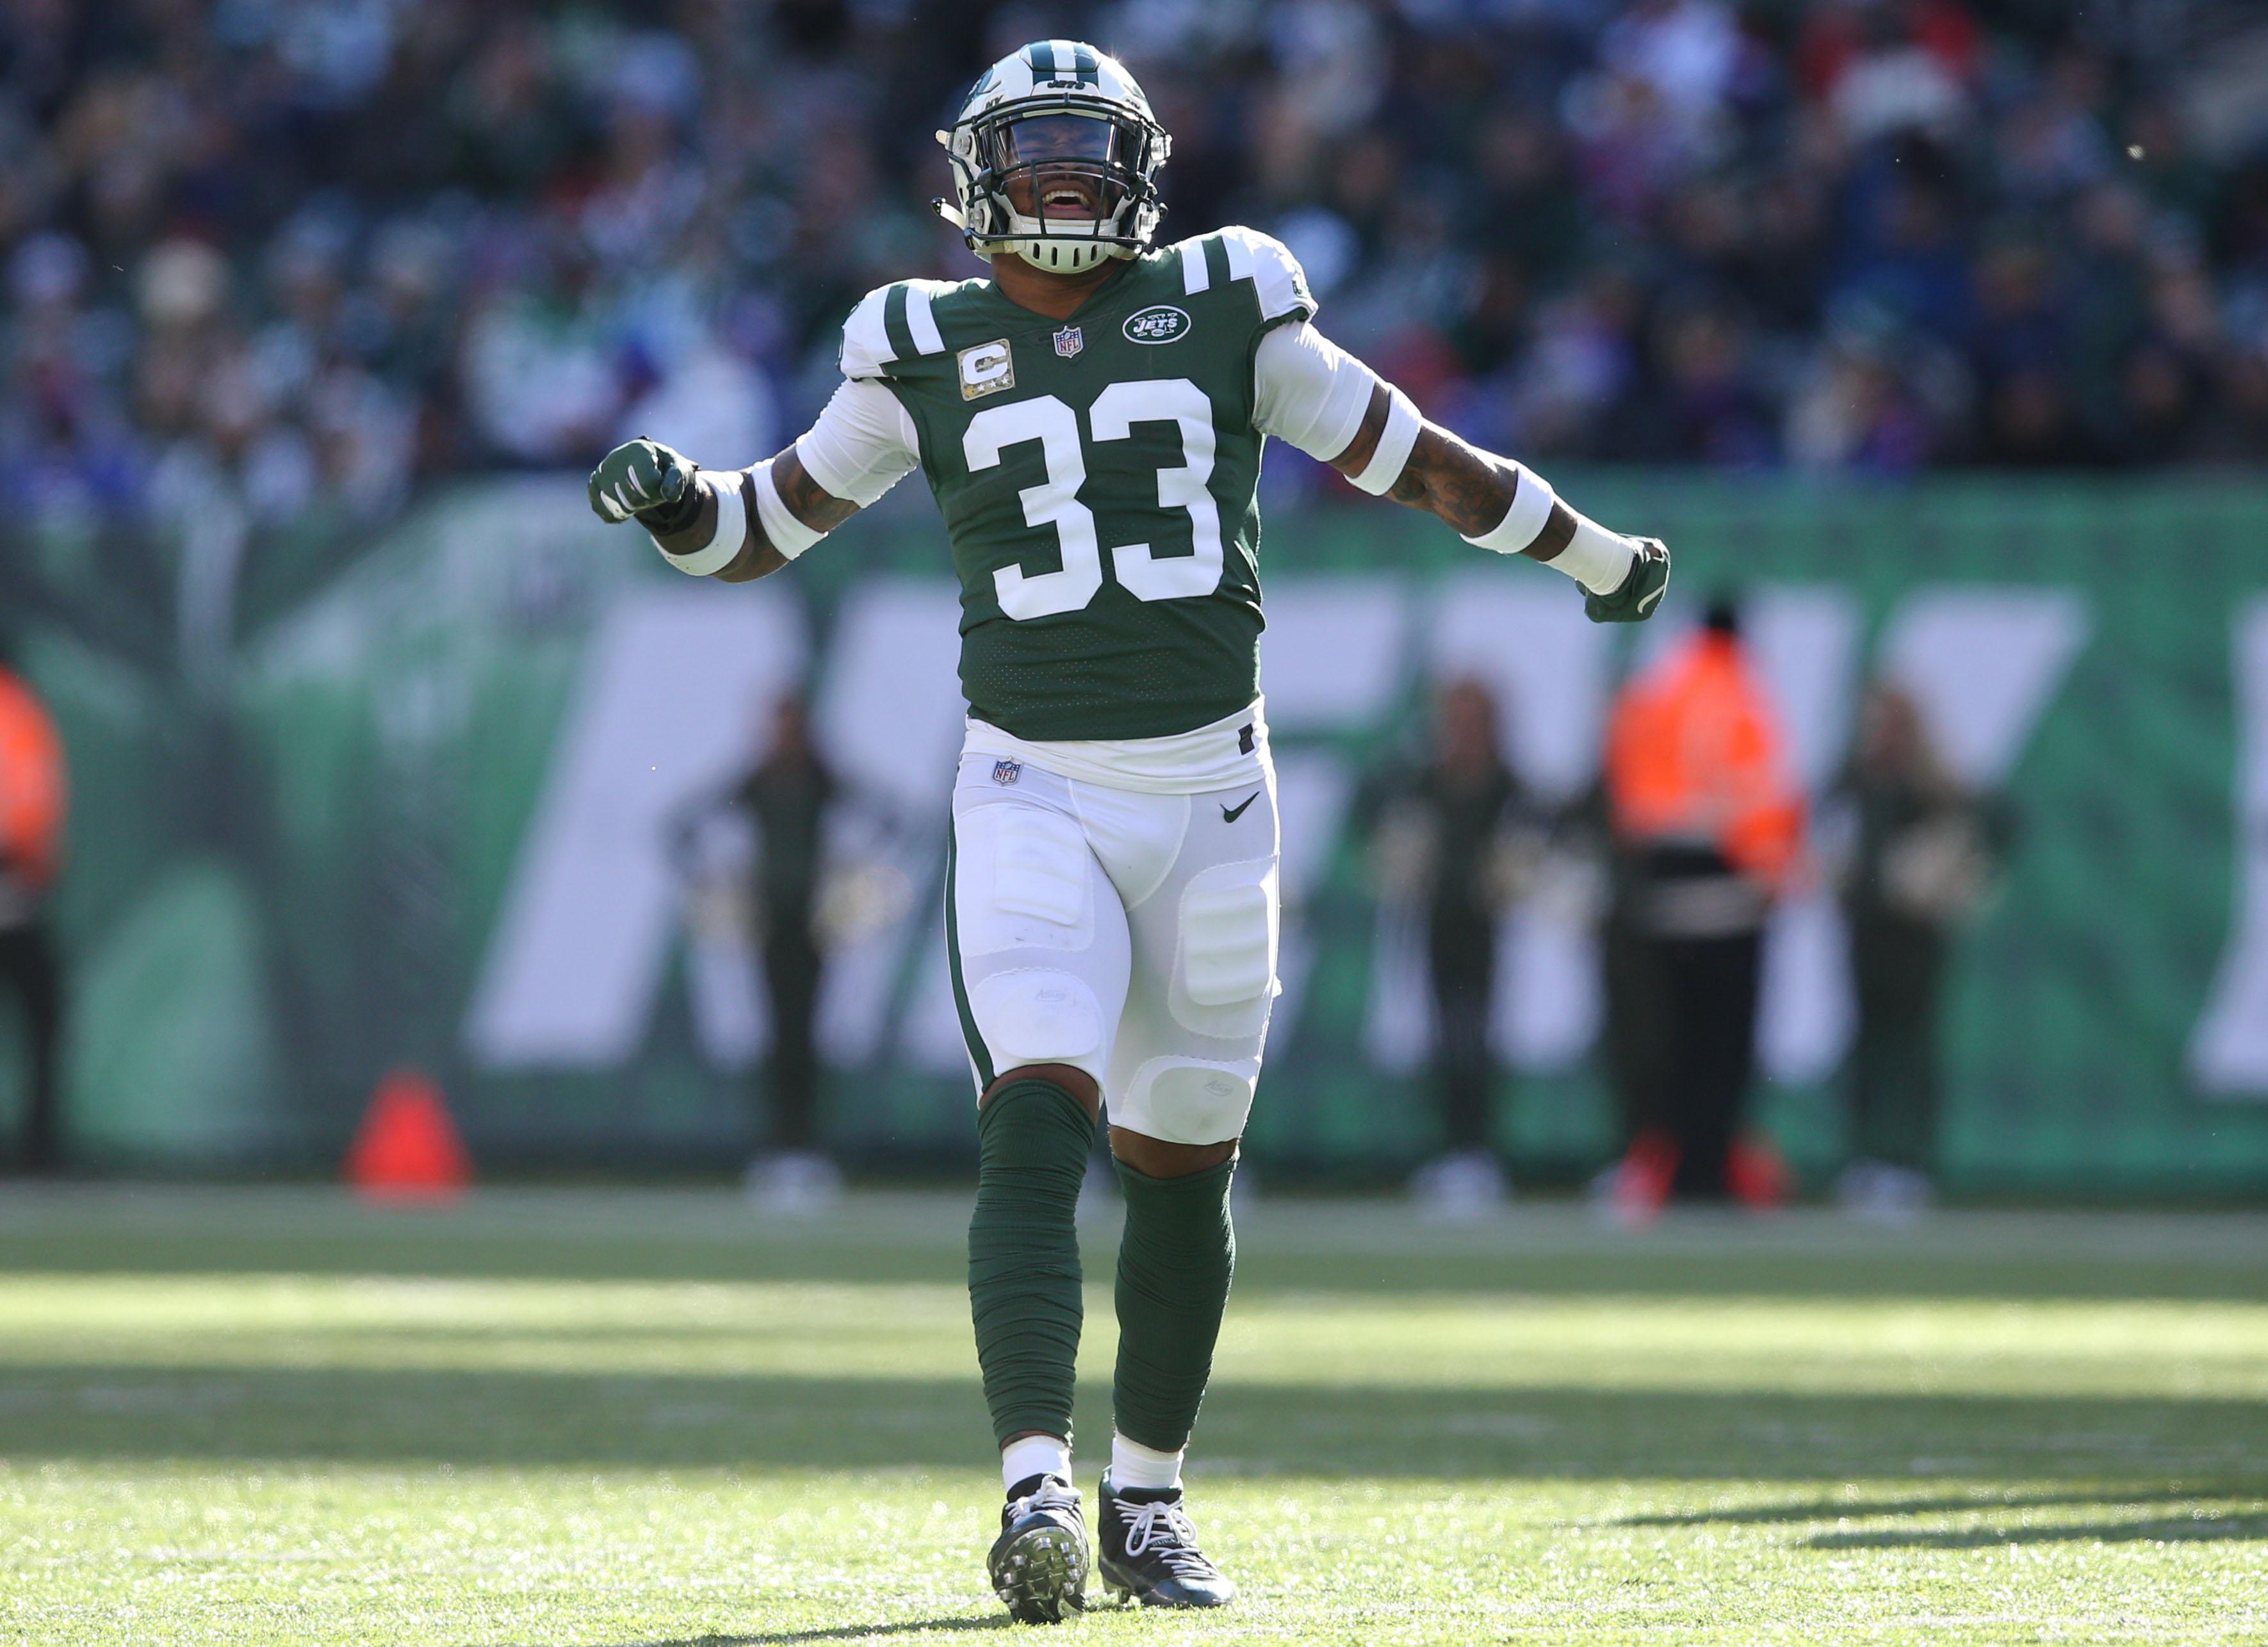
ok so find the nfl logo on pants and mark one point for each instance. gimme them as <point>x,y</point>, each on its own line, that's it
<point>1006,772</point>
<point>1069,341</point>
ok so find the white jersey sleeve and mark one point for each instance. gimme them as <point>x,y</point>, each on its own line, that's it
<point>863,444</point>
<point>866,339</point>
<point>1308,390</point>
<point>1277,278</point>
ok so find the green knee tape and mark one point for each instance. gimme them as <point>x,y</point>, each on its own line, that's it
<point>1174,1262</point>
<point>1032,1143</point>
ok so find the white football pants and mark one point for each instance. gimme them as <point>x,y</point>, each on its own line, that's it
<point>1130,934</point>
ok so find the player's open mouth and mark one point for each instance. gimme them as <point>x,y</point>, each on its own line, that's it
<point>1067,201</point>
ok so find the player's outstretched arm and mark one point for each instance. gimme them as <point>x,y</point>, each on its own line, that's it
<point>733,525</point>
<point>1311,393</point>
<point>1505,506</point>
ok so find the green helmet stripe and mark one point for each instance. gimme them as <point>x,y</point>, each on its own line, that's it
<point>1078,61</point>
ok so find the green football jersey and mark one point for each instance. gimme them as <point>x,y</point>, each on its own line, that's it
<point>1097,477</point>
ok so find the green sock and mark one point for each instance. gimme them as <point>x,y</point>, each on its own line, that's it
<point>1032,1143</point>
<point>1174,1267</point>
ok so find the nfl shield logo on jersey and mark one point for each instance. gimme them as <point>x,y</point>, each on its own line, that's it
<point>1006,772</point>
<point>1069,341</point>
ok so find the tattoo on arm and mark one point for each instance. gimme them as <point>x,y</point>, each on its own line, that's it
<point>1357,456</point>
<point>806,499</point>
<point>1464,487</point>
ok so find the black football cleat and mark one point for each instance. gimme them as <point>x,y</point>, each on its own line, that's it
<point>1150,1551</point>
<point>1038,1564</point>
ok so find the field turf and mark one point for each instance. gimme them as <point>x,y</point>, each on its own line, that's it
<point>587,1419</point>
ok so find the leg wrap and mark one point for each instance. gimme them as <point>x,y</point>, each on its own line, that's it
<point>1174,1267</point>
<point>1031,1140</point>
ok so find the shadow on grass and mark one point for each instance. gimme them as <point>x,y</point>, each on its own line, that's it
<point>1948,1504</point>
<point>2160,1530</point>
<point>838,1633</point>
<point>474,1418</point>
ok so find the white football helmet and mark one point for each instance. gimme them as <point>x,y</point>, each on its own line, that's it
<point>1055,159</point>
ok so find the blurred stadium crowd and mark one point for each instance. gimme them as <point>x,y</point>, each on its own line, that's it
<point>271,259</point>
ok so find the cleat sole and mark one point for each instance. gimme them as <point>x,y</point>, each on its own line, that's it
<point>1042,1576</point>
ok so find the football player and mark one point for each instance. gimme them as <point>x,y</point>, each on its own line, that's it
<point>1091,419</point>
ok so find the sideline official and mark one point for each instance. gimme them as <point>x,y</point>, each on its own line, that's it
<point>33,800</point>
<point>1708,827</point>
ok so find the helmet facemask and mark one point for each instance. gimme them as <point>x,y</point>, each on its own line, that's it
<point>1063,179</point>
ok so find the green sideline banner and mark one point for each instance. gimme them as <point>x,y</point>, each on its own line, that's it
<point>446,809</point>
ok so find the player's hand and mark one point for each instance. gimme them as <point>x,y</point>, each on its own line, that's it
<point>1635,599</point>
<point>643,478</point>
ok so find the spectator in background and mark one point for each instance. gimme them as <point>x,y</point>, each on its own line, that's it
<point>439,234</point>
<point>1923,857</point>
<point>1451,840</point>
<point>32,807</point>
<point>1708,823</point>
<point>786,796</point>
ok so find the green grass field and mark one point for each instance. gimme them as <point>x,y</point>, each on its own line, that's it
<point>593,1419</point>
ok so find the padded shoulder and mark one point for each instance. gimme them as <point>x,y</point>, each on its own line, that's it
<point>1279,281</point>
<point>892,323</point>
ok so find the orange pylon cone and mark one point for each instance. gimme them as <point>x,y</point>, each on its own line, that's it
<point>406,1148</point>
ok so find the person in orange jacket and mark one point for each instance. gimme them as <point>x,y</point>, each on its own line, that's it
<point>32,799</point>
<point>1707,821</point>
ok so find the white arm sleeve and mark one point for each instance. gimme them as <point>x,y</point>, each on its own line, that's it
<point>863,444</point>
<point>1309,391</point>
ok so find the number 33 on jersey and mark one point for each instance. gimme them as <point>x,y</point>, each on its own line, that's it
<point>1097,480</point>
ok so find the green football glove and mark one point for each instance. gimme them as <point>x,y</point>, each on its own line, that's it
<point>645,479</point>
<point>1635,598</point>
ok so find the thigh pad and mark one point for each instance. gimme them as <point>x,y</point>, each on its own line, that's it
<point>1026,881</point>
<point>1224,978</point>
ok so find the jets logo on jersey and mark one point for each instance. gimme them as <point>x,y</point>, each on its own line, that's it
<point>987,369</point>
<point>1161,323</point>
<point>1070,340</point>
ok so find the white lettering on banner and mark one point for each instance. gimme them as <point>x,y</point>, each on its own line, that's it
<point>2229,1050</point>
<point>1805,640</point>
<point>1330,660</point>
<point>889,720</point>
<point>1983,664</point>
<point>1313,789</point>
<point>1332,655</point>
<point>670,692</point>
<point>731,1009</point>
<point>1805,1008</point>
<point>1547,667</point>
<point>1553,689</point>
<point>577,956</point>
